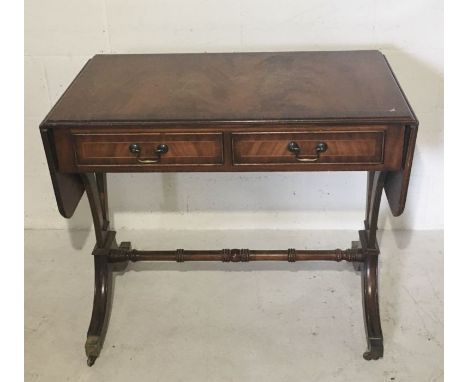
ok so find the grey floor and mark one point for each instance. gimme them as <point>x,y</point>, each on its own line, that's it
<point>234,322</point>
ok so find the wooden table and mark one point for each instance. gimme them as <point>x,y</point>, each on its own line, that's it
<point>290,111</point>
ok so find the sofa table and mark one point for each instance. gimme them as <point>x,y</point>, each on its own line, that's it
<point>285,111</point>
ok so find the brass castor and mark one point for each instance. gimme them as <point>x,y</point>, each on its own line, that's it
<point>375,351</point>
<point>91,360</point>
<point>370,356</point>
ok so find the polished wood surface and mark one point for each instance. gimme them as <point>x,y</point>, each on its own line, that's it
<point>68,188</point>
<point>295,111</point>
<point>113,149</point>
<point>236,255</point>
<point>230,148</point>
<point>313,86</point>
<point>226,93</point>
<point>360,147</point>
<point>96,191</point>
<point>397,182</point>
<point>369,270</point>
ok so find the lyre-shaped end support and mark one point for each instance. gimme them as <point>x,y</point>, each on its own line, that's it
<point>96,191</point>
<point>369,267</point>
<point>370,303</point>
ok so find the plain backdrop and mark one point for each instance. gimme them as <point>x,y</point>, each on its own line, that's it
<point>61,35</point>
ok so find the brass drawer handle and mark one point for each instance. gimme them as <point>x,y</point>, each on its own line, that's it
<point>135,148</point>
<point>296,150</point>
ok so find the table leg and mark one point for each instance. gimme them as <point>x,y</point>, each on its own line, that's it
<point>96,191</point>
<point>101,308</point>
<point>369,268</point>
<point>107,254</point>
<point>370,302</point>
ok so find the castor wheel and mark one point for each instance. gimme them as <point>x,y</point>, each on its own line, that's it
<point>367,356</point>
<point>91,360</point>
<point>374,353</point>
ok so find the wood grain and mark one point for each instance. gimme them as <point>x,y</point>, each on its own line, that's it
<point>344,111</point>
<point>313,86</point>
<point>227,93</point>
<point>68,188</point>
<point>343,147</point>
<point>113,148</point>
<point>230,147</point>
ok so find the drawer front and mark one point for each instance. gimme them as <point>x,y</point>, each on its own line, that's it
<point>309,148</point>
<point>229,147</point>
<point>147,149</point>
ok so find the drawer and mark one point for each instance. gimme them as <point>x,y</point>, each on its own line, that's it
<point>226,147</point>
<point>147,149</point>
<point>311,148</point>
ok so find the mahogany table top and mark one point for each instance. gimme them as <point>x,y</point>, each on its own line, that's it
<point>345,86</point>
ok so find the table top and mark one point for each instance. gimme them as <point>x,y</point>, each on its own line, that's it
<point>345,86</point>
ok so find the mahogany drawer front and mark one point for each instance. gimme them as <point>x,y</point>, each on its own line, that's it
<point>114,149</point>
<point>229,147</point>
<point>341,147</point>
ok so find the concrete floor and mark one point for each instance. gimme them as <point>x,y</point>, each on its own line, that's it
<point>234,322</point>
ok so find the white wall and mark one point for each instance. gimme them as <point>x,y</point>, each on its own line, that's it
<point>61,35</point>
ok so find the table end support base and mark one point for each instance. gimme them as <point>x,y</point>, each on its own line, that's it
<point>369,268</point>
<point>96,191</point>
<point>101,308</point>
<point>109,257</point>
<point>370,304</point>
